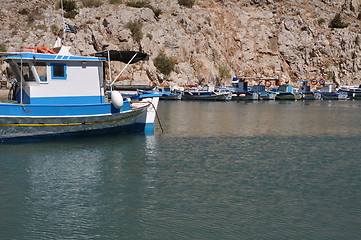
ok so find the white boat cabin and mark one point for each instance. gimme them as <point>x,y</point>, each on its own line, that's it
<point>57,79</point>
<point>62,78</point>
<point>328,87</point>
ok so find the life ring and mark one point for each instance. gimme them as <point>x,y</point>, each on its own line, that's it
<point>314,81</point>
<point>268,83</point>
<point>46,50</point>
<point>321,81</point>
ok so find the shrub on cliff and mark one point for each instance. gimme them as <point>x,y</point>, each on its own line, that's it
<point>336,22</point>
<point>92,3</point>
<point>145,4</point>
<point>70,8</point>
<point>321,21</point>
<point>23,11</point>
<point>141,4</point>
<point>55,30</point>
<point>164,64</point>
<point>136,29</point>
<point>224,72</point>
<point>150,36</point>
<point>68,5</point>
<point>3,48</point>
<point>115,1</point>
<point>186,3</point>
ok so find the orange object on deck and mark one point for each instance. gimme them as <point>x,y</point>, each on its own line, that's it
<point>46,50</point>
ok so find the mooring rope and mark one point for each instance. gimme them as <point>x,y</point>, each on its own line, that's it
<point>156,114</point>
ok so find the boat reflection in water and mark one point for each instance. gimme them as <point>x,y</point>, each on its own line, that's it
<point>76,187</point>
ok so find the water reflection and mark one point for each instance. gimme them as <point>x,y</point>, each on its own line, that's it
<point>77,187</point>
<point>221,170</point>
<point>278,118</point>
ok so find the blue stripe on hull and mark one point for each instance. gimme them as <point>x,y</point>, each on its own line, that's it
<point>68,100</point>
<point>59,110</point>
<point>149,129</point>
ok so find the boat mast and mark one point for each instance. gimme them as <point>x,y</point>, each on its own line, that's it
<point>21,78</point>
<point>110,70</point>
<point>62,15</point>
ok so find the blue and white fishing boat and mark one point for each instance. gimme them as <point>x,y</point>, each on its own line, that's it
<point>286,92</point>
<point>307,94</point>
<point>166,92</point>
<point>241,92</point>
<point>329,92</point>
<point>305,89</point>
<point>262,93</point>
<point>64,95</point>
<point>352,92</point>
<point>206,93</point>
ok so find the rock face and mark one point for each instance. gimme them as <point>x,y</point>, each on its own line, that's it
<point>289,39</point>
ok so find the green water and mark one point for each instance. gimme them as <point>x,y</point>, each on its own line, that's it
<point>220,170</point>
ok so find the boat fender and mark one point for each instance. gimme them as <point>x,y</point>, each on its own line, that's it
<point>117,99</point>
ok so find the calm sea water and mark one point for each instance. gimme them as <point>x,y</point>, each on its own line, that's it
<point>220,170</point>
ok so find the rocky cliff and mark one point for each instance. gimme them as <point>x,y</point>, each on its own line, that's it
<point>289,39</point>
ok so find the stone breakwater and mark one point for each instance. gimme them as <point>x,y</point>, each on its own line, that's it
<point>272,38</point>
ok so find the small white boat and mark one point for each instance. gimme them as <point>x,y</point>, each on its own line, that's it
<point>352,92</point>
<point>240,91</point>
<point>166,92</point>
<point>64,95</point>
<point>206,93</point>
<point>286,92</point>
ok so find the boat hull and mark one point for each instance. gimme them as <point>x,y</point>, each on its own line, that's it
<point>333,96</point>
<point>352,93</point>
<point>288,96</point>
<point>15,128</point>
<point>311,96</point>
<point>267,96</point>
<point>171,97</point>
<point>207,96</point>
<point>245,97</point>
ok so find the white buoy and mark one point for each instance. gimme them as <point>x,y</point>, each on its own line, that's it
<point>117,99</point>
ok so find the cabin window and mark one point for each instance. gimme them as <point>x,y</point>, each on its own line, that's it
<point>41,70</point>
<point>58,71</point>
<point>28,75</point>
